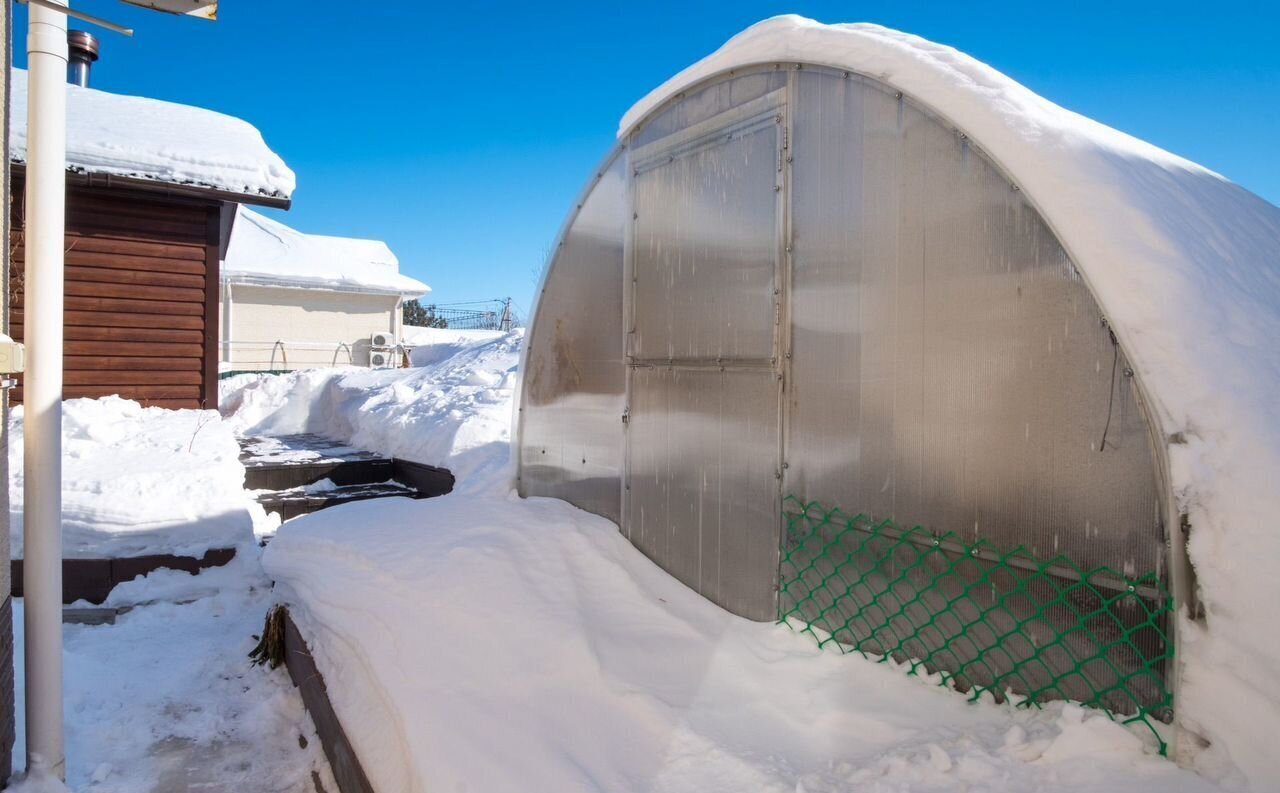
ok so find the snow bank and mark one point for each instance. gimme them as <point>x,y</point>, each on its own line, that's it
<point>454,411</point>
<point>498,644</point>
<point>139,481</point>
<point>429,346</point>
<point>150,139</point>
<point>1184,265</point>
<point>267,252</point>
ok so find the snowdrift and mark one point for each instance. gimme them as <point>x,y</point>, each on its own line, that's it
<point>139,481</point>
<point>499,644</point>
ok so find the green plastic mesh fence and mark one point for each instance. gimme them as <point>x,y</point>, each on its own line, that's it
<point>987,621</point>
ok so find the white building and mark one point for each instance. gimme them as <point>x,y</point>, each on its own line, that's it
<point>294,301</point>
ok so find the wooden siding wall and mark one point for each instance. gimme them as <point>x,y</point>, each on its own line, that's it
<point>141,296</point>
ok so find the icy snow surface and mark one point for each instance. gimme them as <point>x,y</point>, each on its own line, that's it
<point>453,410</point>
<point>166,700</point>
<point>140,481</point>
<point>267,252</point>
<point>1186,267</point>
<point>164,141</point>
<point>488,643</point>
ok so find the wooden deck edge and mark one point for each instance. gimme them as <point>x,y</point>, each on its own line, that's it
<point>93,579</point>
<point>429,480</point>
<point>346,767</point>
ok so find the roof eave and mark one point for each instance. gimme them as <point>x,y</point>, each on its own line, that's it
<point>108,180</point>
<point>269,281</point>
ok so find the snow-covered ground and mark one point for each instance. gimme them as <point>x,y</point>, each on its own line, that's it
<point>488,643</point>
<point>452,409</point>
<point>140,481</point>
<point>166,699</point>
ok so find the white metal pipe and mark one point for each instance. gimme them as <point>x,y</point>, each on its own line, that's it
<point>42,386</point>
<point>226,320</point>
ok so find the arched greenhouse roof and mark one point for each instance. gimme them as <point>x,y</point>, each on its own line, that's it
<point>1186,268</point>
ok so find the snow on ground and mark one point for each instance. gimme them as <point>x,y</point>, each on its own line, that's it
<point>1183,264</point>
<point>150,139</point>
<point>487,643</point>
<point>166,699</point>
<point>429,346</point>
<point>140,481</point>
<point>452,409</point>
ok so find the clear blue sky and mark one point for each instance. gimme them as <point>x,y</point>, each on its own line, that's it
<point>461,135</point>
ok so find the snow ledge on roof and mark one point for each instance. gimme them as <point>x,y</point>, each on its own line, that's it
<point>150,139</point>
<point>1186,267</point>
<point>266,252</point>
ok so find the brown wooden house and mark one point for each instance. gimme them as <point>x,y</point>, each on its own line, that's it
<point>143,242</point>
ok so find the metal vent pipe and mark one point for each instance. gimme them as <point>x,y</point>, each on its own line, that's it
<point>82,51</point>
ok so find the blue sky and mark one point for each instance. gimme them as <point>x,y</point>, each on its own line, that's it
<point>461,135</point>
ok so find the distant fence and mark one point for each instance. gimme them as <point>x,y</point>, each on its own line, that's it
<point>474,315</point>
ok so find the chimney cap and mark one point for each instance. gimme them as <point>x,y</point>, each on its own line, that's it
<point>84,43</point>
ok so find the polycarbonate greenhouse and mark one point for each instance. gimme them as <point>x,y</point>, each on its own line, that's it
<point>853,331</point>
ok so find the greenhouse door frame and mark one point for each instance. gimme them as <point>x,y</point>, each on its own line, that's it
<point>738,567</point>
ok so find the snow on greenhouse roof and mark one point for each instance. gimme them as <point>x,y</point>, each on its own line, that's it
<point>266,252</point>
<point>1186,267</point>
<point>143,138</point>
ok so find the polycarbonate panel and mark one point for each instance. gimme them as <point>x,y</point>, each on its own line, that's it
<point>949,367</point>
<point>574,382</point>
<point>699,105</point>
<point>702,453</point>
<point>705,244</point>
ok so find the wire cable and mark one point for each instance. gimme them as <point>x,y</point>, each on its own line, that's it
<point>1111,397</point>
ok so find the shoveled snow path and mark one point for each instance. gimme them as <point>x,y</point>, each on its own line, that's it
<point>166,699</point>
<point>493,644</point>
<point>452,409</point>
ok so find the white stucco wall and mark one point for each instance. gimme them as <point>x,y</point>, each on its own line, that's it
<point>311,323</point>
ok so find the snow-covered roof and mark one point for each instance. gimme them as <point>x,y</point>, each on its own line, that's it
<point>150,139</point>
<point>1186,267</point>
<point>269,253</point>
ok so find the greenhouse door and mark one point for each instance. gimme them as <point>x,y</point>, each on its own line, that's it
<point>701,484</point>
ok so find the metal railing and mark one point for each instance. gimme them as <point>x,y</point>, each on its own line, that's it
<point>274,356</point>
<point>469,315</point>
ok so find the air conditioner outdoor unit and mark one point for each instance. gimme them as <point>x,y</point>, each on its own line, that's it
<point>382,340</point>
<point>384,359</point>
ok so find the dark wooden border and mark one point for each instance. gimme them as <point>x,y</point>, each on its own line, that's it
<point>347,771</point>
<point>283,476</point>
<point>429,480</point>
<point>93,579</point>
